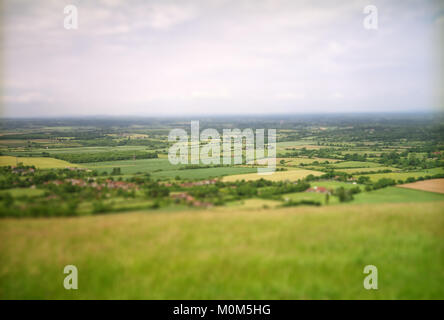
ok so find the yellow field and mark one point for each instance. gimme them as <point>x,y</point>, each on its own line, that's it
<point>41,163</point>
<point>434,185</point>
<point>292,175</point>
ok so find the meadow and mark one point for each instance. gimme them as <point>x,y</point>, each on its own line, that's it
<point>41,163</point>
<point>292,253</point>
<point>397,194</point>
<point>162,168</point>
<point>404,175</point>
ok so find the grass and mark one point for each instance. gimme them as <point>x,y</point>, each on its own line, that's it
<point>253,203</point>
<point>298,196</point>
<point>335,184</point>
<point>204,173</point>
<point>291,253</point>
<point>404,175</point>
<point>162,168</point>
<point>94,149</point>
<point>355,164</point>
<point>41,163</point>
<point>375,169</point>
<point>132,166</point>
<point>23,192</point>
<point>292,175</point>
<point>300,160</point>
<point>287,146</point>
<point>397,194</point>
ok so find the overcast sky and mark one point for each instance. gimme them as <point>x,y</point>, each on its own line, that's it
<point>131,57</point>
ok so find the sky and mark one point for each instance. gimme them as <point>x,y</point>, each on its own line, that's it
<point>180,57</point>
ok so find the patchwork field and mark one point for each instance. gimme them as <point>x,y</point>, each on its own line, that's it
<point>41,163</point>
<point>132,166</point>
<point>396,194</point>
<point>204,173</point>
<point>299,161</point>
<point>292,253</point>
<point>355,164</point>
<point>373,169</point>
<point>162,168</point>
<point>133,233</point>
<point>291,175</point>
<point>404,175</point>
<point>434,185</point>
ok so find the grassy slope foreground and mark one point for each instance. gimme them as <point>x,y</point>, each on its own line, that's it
<point>292,253</point>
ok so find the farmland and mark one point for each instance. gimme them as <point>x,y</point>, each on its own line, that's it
<point>104,196</point>
<point>291,175</point>
<point>434,185</point>
<point>41,163</point>
<point>406,175</point>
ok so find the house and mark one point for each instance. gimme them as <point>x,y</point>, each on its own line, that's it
<point>318,190</point>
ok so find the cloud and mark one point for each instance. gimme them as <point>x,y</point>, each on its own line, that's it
<point>218,56</point>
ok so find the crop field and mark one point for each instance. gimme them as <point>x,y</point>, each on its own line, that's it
<point>291,175</point>
<point>434,185</point>
<point>41,163</point>
<point>355,164</point>
<point>310,196</point>
<point>94,149</point>
<point>298,161</point>
<point>405,175</point>
<point>162,168</point>
<point>253,204</point>
<point>132,166</point>
<point>334,184</point>
<point>369,170</point>
<point>308,253</point>
<point>204,173</point>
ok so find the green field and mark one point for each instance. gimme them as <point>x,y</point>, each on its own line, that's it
<point>94,149</point>
<point>23,192</point>
<point>204,173</point>
<point>41,163</point>
<point>375,169</point>
<point>299,161</point>
<point>162,168</point>
<point>355,164</point>
<point>292,253</point>
<point>396,194</point>
<point>404,175</point>
<point>132,166</point>
<point>312,196</point>
<point>334,184</point>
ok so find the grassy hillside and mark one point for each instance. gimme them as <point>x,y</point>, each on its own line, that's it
<point>292,253</point>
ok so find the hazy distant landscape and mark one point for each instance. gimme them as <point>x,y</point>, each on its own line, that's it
<point>221,149</point>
